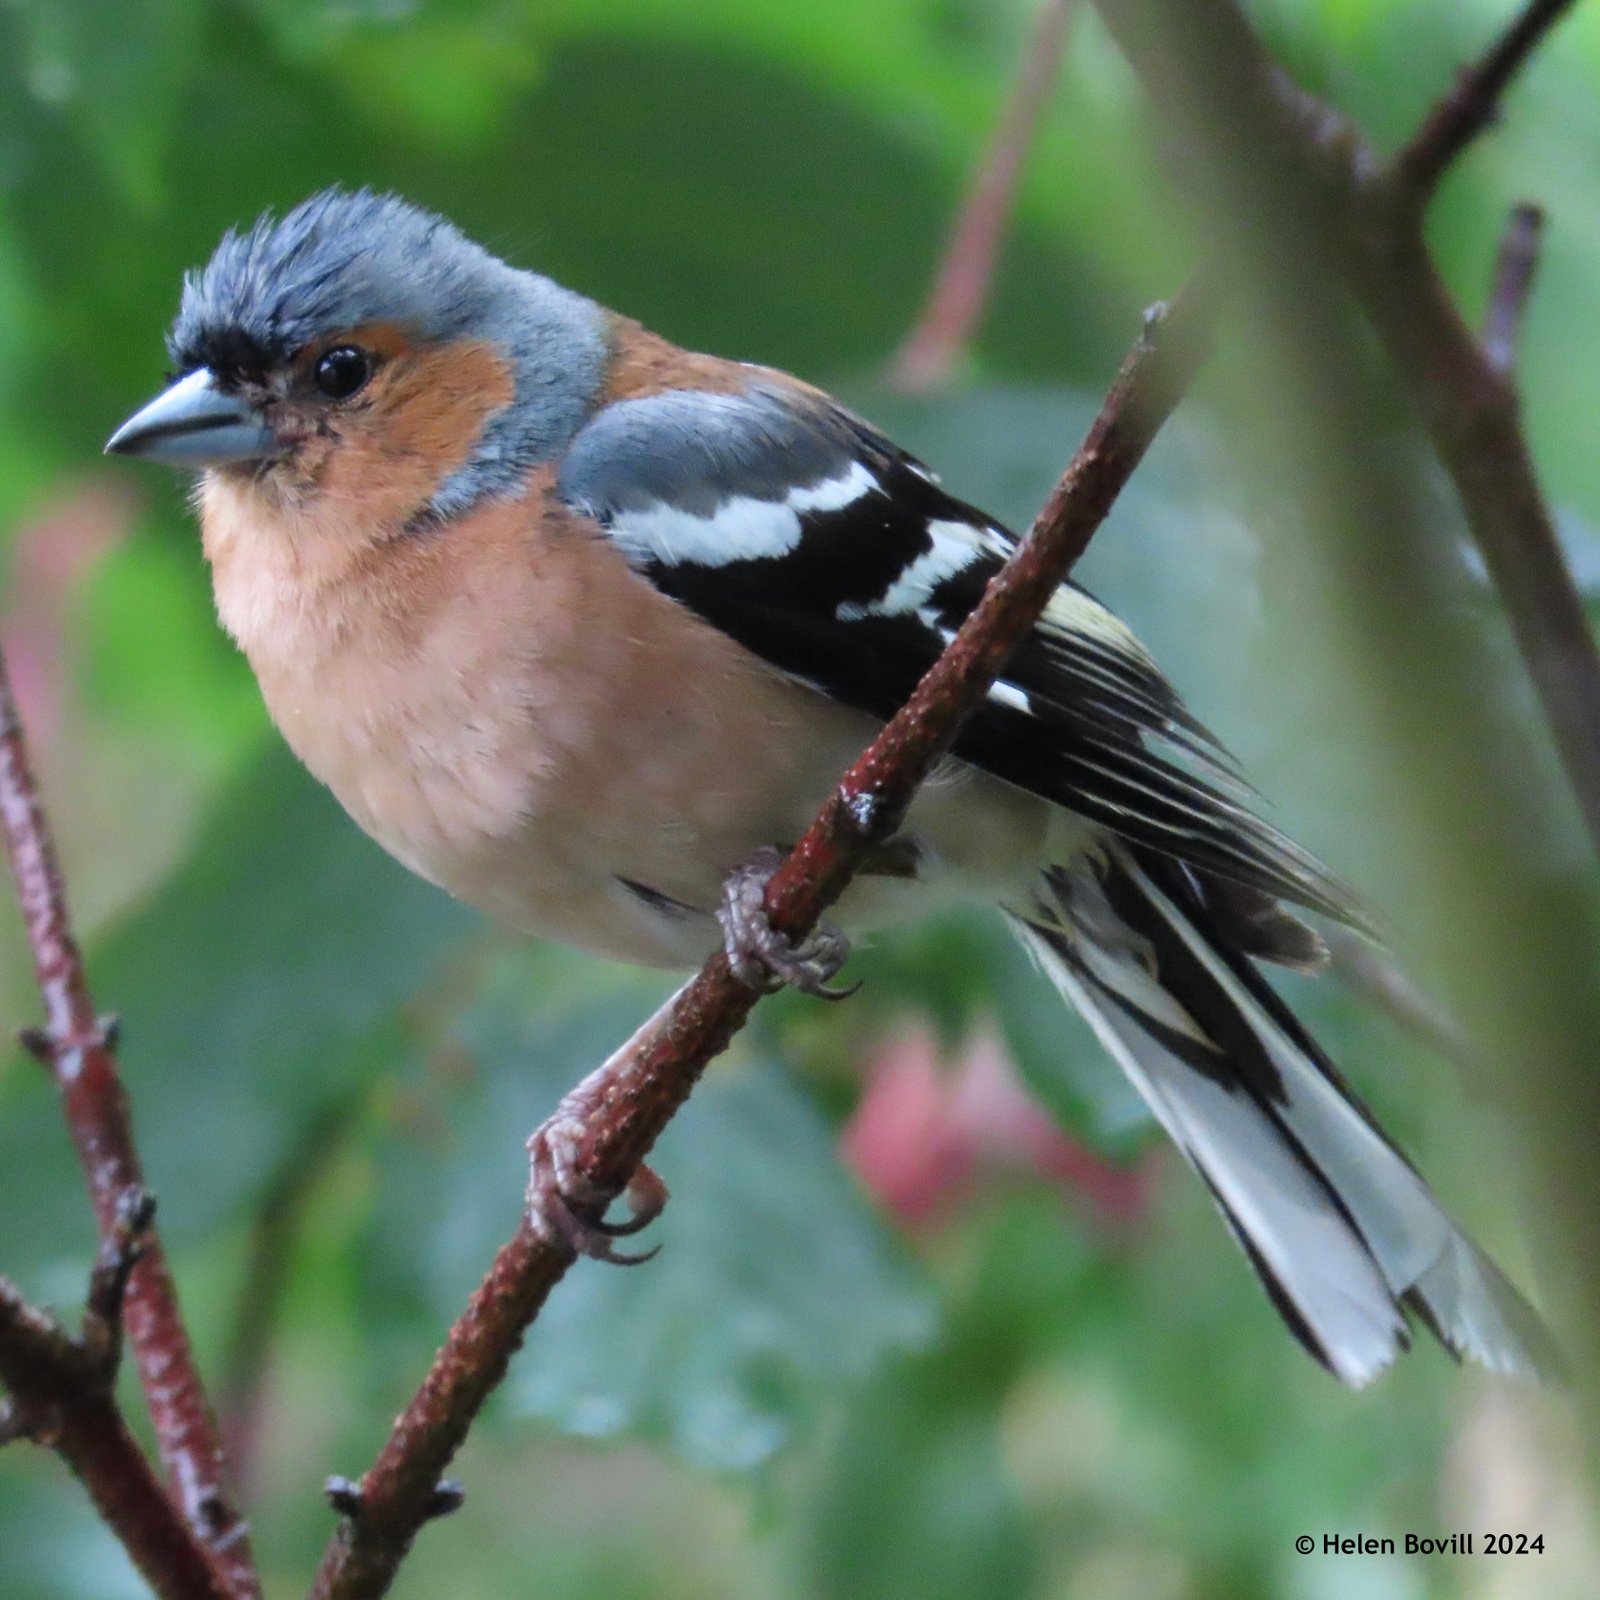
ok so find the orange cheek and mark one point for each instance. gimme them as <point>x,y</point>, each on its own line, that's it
<point>425,413</point>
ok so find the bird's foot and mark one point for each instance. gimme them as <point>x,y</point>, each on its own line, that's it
<point>759,954</point>
<point>564,1203</point>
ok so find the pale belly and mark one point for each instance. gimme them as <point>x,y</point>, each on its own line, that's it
<point>623,850</point>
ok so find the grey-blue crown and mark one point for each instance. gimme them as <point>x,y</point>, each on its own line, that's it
<point>337,260</point>
<point>346,258</point>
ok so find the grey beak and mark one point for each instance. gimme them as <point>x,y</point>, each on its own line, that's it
<point>194,424</point>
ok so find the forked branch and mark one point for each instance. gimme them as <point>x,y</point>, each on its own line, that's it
<point>62,1396</point>
<point>1366,215</point>
<point>78,1047</point>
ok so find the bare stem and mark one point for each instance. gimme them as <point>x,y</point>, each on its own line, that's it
<point>78,1047</point>
<point>1474,103</point>
<point>607,1126</point>
<point>1465,394</point>
<point>965,275</point>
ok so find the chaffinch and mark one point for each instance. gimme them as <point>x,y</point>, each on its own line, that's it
<point>576,623</point>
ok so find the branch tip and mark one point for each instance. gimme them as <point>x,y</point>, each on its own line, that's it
<point>1516,263</point>
<point>344,1496</point>
<point>448,1497</point>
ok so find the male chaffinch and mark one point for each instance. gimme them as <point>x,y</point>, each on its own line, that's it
<point>575,623</point>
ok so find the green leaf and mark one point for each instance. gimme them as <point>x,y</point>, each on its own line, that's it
<point>912,1495</point>
<point>447,83</point>
<point>920,1504</point>
<point>775,1288</point>
<point>252,983</point>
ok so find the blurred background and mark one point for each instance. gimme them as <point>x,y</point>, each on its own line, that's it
<point>937,1317</point>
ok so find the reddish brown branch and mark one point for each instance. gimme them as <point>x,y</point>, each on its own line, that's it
<point>79,1049</point>
<point>1474,103</point>
<point>606,1127</point>
<point>966,271</point>
<point>62,1397</point>
<point>1514,267</point>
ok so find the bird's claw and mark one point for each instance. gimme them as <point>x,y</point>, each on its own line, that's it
<point>562,1201</point>
<point>766,959</point>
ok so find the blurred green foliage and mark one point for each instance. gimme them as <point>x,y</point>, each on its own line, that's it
<point>800,1397</point>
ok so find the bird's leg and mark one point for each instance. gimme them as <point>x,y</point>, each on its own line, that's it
<point>563,1202</point>
<point>759,954</point>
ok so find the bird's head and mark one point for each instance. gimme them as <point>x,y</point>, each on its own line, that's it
<point>361,348</point>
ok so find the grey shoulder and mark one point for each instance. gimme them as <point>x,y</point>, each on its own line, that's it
<point>558,345</point>
<point>694,450</point>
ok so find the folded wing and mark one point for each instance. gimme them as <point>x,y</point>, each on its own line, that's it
<point>795,528</point>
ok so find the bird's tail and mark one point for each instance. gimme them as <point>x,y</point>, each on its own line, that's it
<point>1345,1235</point>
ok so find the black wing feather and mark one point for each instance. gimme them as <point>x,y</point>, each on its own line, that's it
<point>1101,731</point>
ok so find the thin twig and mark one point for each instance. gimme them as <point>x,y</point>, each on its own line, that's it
<point>78,1047</point>
<point>1374,974</point>
<point>606,1127</point>
<point>1514,267</point>
<point>259,1303</point>
<point>965,275</point>
<point>62,1397</point>
<point>1474,103</point>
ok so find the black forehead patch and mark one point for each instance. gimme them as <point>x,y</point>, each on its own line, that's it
<point>336,261</point>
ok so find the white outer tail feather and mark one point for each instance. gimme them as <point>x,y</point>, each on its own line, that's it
<point>1339,1225</point>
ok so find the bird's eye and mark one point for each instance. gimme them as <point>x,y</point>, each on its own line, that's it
<point>342,372</point>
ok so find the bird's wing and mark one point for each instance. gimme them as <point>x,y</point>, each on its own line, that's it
<point>797,529</point>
